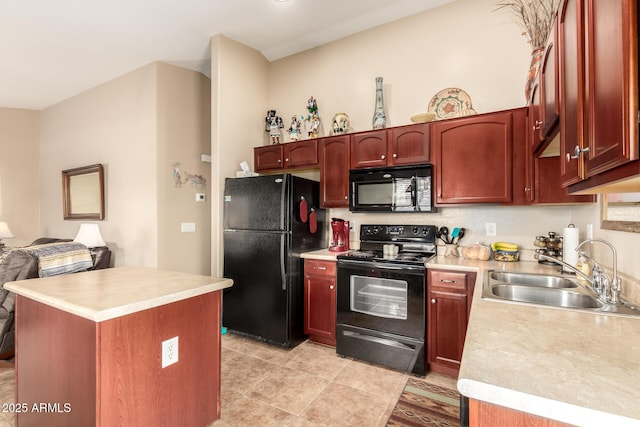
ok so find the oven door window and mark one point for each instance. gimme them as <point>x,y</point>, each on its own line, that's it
<point>379,297</point>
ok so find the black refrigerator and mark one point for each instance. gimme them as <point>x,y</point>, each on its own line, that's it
<point>268,221</point>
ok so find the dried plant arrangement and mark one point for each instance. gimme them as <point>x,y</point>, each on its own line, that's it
<point>534,17</point>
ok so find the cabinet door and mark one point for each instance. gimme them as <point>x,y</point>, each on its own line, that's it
<point>549,89</point>
<point>320,301</point>
<point>448,307</point>
<point>473,159</point>
<point>535,118</point>
<point>409,145</point>
<point>571,88</point>
<point>301,153</point>
<point>369,149</point>
<point>612,84</point>
<point>268,157</point>
<point>334,172</point>
<point>547,184</point>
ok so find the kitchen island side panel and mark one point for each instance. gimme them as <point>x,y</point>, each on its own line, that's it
<point>55,366</point>
<point>135,390</point>
<point>109,373</point>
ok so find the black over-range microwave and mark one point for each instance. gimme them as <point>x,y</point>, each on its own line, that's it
<point>391,189</point>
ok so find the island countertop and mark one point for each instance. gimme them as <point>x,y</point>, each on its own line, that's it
<point>114,292</point>
<point>575,367</point>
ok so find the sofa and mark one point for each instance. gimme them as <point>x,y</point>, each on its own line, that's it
<point>42,258</point>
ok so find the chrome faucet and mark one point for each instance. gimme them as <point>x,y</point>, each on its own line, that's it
<point>611,287</point>
<point>608,288</point>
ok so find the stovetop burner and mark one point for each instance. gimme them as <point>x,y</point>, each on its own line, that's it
<point>414,244</point>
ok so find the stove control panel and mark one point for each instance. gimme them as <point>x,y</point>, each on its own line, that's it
<point>398,232</point>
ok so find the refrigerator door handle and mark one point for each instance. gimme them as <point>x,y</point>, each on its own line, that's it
<point>283,273</point>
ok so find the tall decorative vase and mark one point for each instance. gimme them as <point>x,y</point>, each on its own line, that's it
<point>536,58</point>
<point>379,118</point>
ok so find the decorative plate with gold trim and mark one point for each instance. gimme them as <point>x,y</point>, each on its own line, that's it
<point>451,102</point>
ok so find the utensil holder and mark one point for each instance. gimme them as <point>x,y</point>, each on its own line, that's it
<point>451,249</point>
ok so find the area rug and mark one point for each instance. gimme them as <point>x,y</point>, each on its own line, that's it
<point>425,404</point>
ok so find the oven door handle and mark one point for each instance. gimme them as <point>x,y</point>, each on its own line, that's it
<point>381,266</point>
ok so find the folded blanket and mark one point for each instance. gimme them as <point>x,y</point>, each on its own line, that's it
<point>60,258</point>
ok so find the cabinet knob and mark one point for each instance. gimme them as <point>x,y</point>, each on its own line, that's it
<point>286,160</point>
<point>383,157</point>
<point>433,300</point>
<point>395,156</point>
<point>331,287</point>
<point>320,268</point>
<point>346,197</point>
<point>538,124</point>
<point>279,161</point>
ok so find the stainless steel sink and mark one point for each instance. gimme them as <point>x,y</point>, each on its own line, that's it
<point>549,290</point>
<point>549,296</point>
<point>537,280</point>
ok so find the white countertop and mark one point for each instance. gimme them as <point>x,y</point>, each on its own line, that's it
<point>322,254</point>
<point>575,367</point>
<point>114,292</point>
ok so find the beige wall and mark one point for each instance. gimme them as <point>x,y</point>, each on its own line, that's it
<point>239,95</point>
<point>184,134</point>
<point>19,174</point>
<point>464,44</point>
<point>136,125</point>
<point>113,124</point>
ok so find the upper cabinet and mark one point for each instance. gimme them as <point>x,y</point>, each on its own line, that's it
<point>291,155</point>
<point>403,145</point>
<point>473,157</point>
<point>369,149</point>
<point>334,171</point>
<point>549,112</point>
<point>598,53</point>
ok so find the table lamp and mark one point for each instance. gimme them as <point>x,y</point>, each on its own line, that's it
<point>89,235</point>
<point>5,233</point>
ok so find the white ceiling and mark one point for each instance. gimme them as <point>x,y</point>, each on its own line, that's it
<point>52,50</point>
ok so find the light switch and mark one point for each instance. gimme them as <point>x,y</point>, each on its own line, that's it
<point>188,227</point>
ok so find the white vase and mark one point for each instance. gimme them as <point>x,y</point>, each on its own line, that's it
<point>379,118</point>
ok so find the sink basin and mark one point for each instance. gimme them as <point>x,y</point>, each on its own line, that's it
<point>537,280</point>
<point>545,296</point>
<point>550,290</point>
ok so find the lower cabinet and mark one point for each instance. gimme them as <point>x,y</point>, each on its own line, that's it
<point>449,295</point>
<point>483,414</point>
<point>320,301</point>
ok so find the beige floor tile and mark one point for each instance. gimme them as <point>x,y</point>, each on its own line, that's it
<point>242,373</point>
<point>289,389</point>
<point>377,380</point>
<point>339,405</point>
<point>317,360</point>
<point>239,411</point>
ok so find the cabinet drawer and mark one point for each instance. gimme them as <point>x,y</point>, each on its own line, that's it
<point>448,279</point>
<point>318,267</point>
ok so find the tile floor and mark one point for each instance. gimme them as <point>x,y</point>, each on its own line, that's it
<point>306,386</point>
<point>263,385</point>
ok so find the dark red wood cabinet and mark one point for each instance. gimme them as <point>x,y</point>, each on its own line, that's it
<point>473,158</point>
<point>598,55</point>
<point>549,99</point>
<point>320,301</point>
<point>409,145</point>
<point>449,295</point>
<point>300,154</point>
<point>334,171</point>
<point>268,157</point>
<point>368,149</point>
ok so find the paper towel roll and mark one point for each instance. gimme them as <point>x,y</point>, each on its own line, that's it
<point>570,240</point>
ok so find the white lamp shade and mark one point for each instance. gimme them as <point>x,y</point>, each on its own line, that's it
<point>5,232</point>
<point>89,235</point>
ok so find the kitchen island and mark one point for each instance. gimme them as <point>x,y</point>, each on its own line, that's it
<point>565,365</point>
<point>89,348</point>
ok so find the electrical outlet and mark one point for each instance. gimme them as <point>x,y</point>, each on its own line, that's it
<point>491,228</point>
<point>188,227</point>
<point>169,352</point>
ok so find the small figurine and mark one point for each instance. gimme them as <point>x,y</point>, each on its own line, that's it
<point>340,124</point>
<point>294,129</point>
<point>273,124</point>
<point>314,129</point>
<point>312,106</point>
